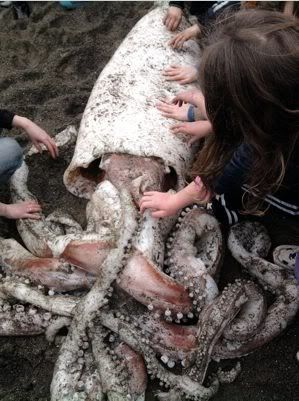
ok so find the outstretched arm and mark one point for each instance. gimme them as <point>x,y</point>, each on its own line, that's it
<point>182,74</point>
<point>163,204</point>
<point>23,210</point>
<point>37,135</point>
<point>173,17</point>
<point>190,33</point>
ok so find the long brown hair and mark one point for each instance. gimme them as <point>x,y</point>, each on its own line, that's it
<point>249,76</point>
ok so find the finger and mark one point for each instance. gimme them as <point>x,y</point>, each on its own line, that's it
<point>180,43</point>
<point>176,126</point>
<point>176,24</point>
<point>158,214</point>
<point>145,205</point>
<point>172,24</point>
<point>168,115</point>
<point>33,209</point>
<point>163,102</point>
<point>150,193</point>
<point>165,108</point>
<point>185,81</point>
<point>38,146</point>
<point>31,216</point>
<point>175,43</point>
<point>192,140</point>
<point>55,147</point>
<point>170,43</point>
<point>52,147</point>
<point>170,73</point>
<point>31,203</point>
<point>171,78</point>
<point>169,69</point>
<point>167,21</point>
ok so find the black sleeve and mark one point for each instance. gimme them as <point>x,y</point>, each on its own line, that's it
<point>6,118</point>
<point>236,171</point>
<point>179,4</point>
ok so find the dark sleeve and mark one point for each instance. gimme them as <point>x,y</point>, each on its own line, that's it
<point>6,118</point>
<point>236,171</point>
<point>179,4</point>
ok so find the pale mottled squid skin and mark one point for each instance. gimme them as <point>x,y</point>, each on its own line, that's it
<point>124,135</point>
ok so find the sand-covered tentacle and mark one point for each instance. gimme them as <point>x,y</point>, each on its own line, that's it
<point>250,317</point>
<point>150,286</point>
<point>51,272</point>
<point>194,254</point>
<point>172,342</point>
<point>56,304</point>
<point>212,321</point>
<point>34,233</point>
<point>183,385</point>
<point>278,316</point>
<point>122,371</point>
<point>89,250</point>
<point>90,385</point>
<point>18,320</point>
<point>69,364</point>
<point>249,244</point>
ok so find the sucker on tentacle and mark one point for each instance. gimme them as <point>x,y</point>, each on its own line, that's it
<point>212,322</point>
<point>197,234</point>
<point>68,366</point>
<point>118,379</point>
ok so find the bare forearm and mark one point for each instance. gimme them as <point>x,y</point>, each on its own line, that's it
<point>199,102</point>
<point>191,194</point>
<point>21,122</point>
<point>3,209</point>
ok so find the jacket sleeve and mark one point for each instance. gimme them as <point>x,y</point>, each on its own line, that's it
<point>236,171</point>
<point>6,118</point>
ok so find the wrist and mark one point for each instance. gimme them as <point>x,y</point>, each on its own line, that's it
<point>21,122</point>
<point>3,209</point>
<point>195,29</point>
<point>186,196</point>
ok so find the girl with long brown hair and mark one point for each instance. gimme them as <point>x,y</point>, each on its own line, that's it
<point>249,76</point>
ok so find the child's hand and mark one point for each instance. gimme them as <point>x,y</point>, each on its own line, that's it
<point>190,33</point>
<point>162,204</point>
<point>37,135</point>
<point>173,18</point>
<point>174,111</point>
<point>23,210</point>
<point>191,96</point>
<point>183,75</point>
<point>197,129</point>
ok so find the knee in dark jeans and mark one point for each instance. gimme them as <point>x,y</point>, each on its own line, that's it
<point>11,157</point>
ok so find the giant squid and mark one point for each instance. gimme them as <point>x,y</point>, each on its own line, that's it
<point>139,295</point>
